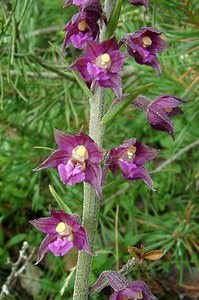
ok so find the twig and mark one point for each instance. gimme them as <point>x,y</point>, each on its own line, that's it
<point>16,269</point>
<point>43,31</point>
<point>178,154</point>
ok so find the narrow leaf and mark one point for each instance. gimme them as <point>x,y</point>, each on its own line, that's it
<point>82,84</point>
<point>60,202</point>
<point>113,21</point>
<point>122,105</point>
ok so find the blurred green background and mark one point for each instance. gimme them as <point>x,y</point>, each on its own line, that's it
<point>37,96</point>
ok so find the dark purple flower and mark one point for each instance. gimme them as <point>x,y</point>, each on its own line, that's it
<point>160,111</point>
<point>79,31</point>
<point>136,290</point>
<point>143,45</point>
<point>77,159</point>
<point>101,63</point>
<point>63,233</point>
<point>83,26</point>
<point>139,2</point>
<point>130,158</point>
<point>123,289</point>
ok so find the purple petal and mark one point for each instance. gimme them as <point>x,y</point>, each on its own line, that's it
<point>56,158</point>
<point>132,290</point>
<point>43,249</point>
<point>159,120</point>
<point>96,73</point>
<point>143,57</point>
<point>95,153</point>
<point>114,82</point>
<point>81,240</point>
<point>46,225</point>
<point>169,102</point>
<point>71,174</point>
<point>117,60</point>
<point>93,176</point>
<point>132,172</point>
<point>144,153</point>
<point>79,40</point>
<point>60,246</point>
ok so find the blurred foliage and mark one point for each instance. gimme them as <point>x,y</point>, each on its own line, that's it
<point>37,95</point>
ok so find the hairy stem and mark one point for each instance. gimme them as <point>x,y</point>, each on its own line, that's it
<point>91,204</point>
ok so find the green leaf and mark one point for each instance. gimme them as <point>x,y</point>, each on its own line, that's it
<point>113,21</point>
<point>60,202</point>
<point>82,84</point>
<point>121,106</point>
<point>16,239</point>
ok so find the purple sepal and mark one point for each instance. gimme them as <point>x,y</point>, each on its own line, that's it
<point>54,160</point>
<point>159,120</point>
<point>60,242</point>
<point>139,2</point>
<point>44,247</point>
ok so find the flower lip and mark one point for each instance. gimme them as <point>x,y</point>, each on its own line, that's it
<point>103,61</point>
<point>80,153</point>
<point>147,41</point>
<point>82,25</point>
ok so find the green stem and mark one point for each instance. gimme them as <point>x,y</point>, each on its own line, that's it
<point>91,204</point>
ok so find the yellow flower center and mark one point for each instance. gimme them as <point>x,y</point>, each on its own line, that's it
<point>61,227</point>
<point>131,152</point>
<point>82,25</point>
<point>147,41</point>
<point>103,61</point>
<point>139,296</point>
<point>168,110</point>
<point>80,153</point>
<point>105,58</point>
<point>81,150</point>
